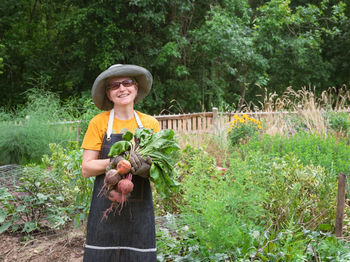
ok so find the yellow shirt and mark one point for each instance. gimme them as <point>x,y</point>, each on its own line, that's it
<point>98,127</point>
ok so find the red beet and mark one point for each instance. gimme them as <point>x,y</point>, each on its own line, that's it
<point>112,177</point>
<point>115,196</point>
<point>124,167</point>
<point>125,186</point>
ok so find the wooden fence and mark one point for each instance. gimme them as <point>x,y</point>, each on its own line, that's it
<point>200,122</point>
<point>208,121</point>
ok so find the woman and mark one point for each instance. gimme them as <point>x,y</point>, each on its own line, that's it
<point>130,235</point>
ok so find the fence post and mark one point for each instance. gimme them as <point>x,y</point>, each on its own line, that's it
<point>340,205</point>
<point>215,120</point>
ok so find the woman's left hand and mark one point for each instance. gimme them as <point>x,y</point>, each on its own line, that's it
<point>139,165</point>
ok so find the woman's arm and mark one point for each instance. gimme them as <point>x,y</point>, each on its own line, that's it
<point>91,165</point>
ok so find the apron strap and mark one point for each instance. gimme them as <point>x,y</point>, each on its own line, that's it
<point>138,120</point>
<point>110,123</point>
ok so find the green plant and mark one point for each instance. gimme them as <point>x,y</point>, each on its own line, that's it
<point>266,207</point>
<point>293,191</point>
<point>65,163</point>
<point>309,148</point>
<point>25,138</point>
<point>242,128</point>
<point>37,202</point>
<point>338,121</point>
<point>295,243</point>
<point>220,208</point>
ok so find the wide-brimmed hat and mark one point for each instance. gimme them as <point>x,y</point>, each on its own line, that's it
<point>141,75</point>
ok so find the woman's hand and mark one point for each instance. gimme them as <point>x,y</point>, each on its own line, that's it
<point>139,165</point>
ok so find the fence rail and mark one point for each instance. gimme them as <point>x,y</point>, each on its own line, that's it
<point>210,121</point>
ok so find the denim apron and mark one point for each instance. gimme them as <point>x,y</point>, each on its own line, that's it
<point>130,235</point>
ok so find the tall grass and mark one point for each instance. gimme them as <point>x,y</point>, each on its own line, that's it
<point>26,133</point>
<point>303,110</point>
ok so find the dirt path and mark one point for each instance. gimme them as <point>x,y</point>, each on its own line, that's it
<point>65,245</point>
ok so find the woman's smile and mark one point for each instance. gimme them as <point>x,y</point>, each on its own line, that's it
<point>121,91</point>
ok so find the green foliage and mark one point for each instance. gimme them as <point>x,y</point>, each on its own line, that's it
<point>196,50</point>
<point>294,192</point>
<point>65,162</point>
<point>48,197</point>
<point>37,202</point>
<point>338,121</point>
<point>298,244</point>
<point>292,48</point>
<point>26,134</point>
<point>266,208</point>
<point>313,149</point>
<point>220,209</point>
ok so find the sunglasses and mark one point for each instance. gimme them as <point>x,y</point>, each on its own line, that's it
<point>116,85</point>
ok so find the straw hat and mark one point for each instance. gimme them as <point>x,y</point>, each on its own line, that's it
<point>141,75</point>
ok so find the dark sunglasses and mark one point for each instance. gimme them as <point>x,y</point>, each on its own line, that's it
<point>116,85</point>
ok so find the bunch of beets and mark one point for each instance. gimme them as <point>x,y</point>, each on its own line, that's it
<point>118,186</point>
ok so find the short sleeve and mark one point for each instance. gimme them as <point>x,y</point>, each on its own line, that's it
<point>93,137</point>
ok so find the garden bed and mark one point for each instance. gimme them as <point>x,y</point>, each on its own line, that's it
<point>63,245</point>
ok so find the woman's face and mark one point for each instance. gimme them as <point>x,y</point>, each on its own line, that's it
<point>121,90</point>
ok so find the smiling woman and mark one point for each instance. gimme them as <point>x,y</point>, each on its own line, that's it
<point>121,91</point>
<point>130,235</point>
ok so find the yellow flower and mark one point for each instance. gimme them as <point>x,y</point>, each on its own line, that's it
<point>259,126</point>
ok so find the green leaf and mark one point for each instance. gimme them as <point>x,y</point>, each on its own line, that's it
<point>155,172</point>
<point>128,136</point>
<point>3,215</point>
<point>4,227</point>
<point>21,208</point>
<point>29,227</point>
<point>119,148</point>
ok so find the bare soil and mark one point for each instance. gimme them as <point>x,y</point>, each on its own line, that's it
<point>63,245</point>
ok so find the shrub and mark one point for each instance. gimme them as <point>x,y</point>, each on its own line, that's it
<point>37,202</point>
<point>265,207</point>
<point>49,196</point>
<point>221,210</point>
<point>64,162</point>
<point>26,137</point>
<point>242,128</point>
<point>293,191</point>
<point>338,121</point>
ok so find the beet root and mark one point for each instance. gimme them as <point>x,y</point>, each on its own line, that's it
<point>124,167</point>
<point>112,177</point>
<point>125,186</point>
